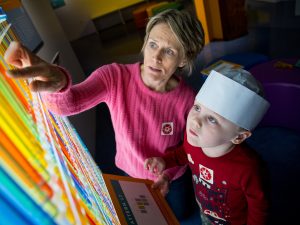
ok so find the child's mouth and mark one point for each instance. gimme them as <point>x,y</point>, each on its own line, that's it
<point>193,133</point>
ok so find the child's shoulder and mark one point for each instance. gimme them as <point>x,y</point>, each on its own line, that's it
<point>248,154</point>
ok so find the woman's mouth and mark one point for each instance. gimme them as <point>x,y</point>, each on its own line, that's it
<point>154,69</point>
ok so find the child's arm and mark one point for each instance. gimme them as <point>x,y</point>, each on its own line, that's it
<point>157,165</point>
<point>256,198</point>
<point>176,157</point>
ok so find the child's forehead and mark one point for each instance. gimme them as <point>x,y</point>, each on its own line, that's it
<point>206,109</point>
<point>232,100</point>
<point>210,112</point>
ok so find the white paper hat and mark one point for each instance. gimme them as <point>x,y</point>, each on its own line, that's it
<point>233,96</point>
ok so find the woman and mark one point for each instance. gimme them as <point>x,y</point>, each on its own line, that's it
<point>148,101</point>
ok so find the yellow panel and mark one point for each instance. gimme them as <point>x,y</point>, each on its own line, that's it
<point>98,8</point>
<point>201,14</point>
<point>208,12</point>
<point>214,18</point>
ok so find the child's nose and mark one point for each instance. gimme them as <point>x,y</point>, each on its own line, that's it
<point>198,122</point>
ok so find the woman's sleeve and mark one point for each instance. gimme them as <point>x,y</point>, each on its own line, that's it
<point>77,98</point>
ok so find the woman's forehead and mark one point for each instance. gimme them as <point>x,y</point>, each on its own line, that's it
<point>163,32</point>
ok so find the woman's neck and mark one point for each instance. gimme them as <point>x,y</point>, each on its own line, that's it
<point>161,85</point>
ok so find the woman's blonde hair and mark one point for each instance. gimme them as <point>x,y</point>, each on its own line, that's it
<point>187,29</point>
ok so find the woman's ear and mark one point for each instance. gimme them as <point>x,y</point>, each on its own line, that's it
<point>242,136</point>
<point>182,63</point>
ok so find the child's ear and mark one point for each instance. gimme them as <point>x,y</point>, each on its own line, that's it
<point>242,136</point>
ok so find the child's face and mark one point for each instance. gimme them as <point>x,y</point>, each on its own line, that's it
<point>206,128</point>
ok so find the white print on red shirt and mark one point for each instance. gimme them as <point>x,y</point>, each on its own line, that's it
<point>206,174</point>
<point>212,199</point>
<point>190,158</point>
<point>167,128</point>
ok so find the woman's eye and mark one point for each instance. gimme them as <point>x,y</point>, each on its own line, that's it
<point>197,108</point>
<point>212,120</point>
<point>170,52</point>
<point>152,44</point>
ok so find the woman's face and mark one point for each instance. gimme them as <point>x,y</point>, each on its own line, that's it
<point>163,54</point>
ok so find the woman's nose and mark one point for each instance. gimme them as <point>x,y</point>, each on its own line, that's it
<point>157,56</point>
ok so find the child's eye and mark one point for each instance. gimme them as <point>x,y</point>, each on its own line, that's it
<point>212,120</point>
<point>197,108</point>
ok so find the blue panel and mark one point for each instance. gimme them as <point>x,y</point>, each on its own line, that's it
<point>23,204</point>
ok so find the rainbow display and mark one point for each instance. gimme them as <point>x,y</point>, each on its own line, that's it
<point>47,175</point>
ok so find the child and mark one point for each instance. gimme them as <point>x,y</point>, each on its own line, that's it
<point>226,174</point>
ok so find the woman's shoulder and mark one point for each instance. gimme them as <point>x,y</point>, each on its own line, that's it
<point>116,71</point>
<point>118,67</point>
<point>185,88</point>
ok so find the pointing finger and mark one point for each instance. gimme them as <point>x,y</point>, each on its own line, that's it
<point>42,86</point>
<point>27,72</point>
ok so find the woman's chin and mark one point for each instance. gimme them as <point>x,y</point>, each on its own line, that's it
<point>154,72</point>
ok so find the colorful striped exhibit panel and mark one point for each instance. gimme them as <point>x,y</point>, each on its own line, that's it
<point>47,175</point>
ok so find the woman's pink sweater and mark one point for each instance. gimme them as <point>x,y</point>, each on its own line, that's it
<point>146,123</point>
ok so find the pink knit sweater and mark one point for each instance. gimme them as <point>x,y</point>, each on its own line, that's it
<point>145,122</point>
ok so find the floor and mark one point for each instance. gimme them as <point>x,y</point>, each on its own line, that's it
<point>273,31</point>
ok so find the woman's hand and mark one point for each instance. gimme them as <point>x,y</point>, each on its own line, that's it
<point>155,165</point>
<point>46,77</point>
<point>162,183</point>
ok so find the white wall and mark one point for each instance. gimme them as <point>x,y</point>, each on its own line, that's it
<point>76,16</point>
<point>75,19</point>
<point>53,36</point>
<point>48,26</point>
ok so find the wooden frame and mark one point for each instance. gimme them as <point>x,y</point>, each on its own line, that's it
<point>135,201</point>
